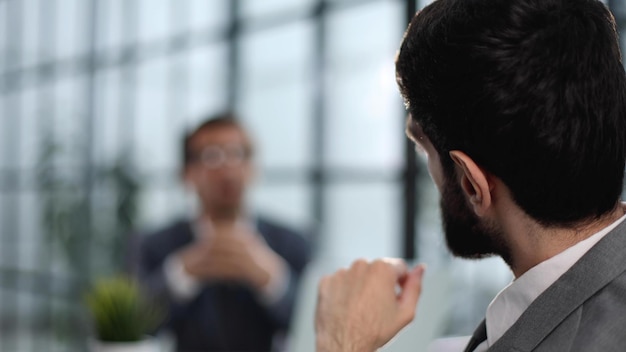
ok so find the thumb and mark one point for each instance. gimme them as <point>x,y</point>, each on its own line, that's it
<point>411,291</point>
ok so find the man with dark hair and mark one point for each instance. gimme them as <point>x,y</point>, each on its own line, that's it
<point>520,106</point>
<point>229,280</point>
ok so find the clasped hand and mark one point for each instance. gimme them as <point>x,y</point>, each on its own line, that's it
<point>233,254</point>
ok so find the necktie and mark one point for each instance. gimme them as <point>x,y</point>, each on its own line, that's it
<point>480,335</point>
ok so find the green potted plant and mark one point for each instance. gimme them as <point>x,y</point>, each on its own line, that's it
<point>122,317</point>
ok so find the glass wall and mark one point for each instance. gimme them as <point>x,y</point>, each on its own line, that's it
<point>95,96</point>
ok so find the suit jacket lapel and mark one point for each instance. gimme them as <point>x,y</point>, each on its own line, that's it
<point>597,268</point>
<point>184,236</point>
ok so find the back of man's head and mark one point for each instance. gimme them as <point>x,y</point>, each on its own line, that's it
<point>533,90</point>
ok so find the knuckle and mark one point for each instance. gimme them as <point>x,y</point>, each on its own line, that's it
<point>323,283</point>
<point>380,265</point>
<point>340,273</point>
<point>408,317</point>
<point>359,264</point>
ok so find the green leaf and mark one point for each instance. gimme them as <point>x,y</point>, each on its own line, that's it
<point>119,310</point>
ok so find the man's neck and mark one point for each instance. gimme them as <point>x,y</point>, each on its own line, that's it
<point>221,215</point>
<point>531,243</point>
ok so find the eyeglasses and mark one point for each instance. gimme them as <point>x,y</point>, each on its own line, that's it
<point>215,156</point>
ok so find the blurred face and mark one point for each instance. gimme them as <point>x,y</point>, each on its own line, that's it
<point>467,236</point>
<point>221,167</point>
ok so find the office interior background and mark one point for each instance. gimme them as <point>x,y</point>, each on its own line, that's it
<point>95,96</point>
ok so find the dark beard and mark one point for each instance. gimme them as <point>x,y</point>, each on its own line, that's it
<point>466,236</point>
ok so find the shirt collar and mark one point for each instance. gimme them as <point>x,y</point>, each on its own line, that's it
<point>513,300</point>
<point>203,227</point>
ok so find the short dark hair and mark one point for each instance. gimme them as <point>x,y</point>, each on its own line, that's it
<point>533,90</point>
<point>214,121</point>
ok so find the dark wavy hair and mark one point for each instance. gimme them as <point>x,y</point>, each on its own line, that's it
<point>533,90</point>
<point>228,119</point>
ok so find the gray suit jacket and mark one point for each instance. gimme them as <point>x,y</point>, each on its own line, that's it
<point>584,310</point>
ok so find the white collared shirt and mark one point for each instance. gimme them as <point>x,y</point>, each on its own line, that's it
<point>514,299</point>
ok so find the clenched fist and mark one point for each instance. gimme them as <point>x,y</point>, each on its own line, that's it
<point>361,308</point>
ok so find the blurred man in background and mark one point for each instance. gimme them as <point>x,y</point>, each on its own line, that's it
<point>520,106</point>
<point>229,279</point>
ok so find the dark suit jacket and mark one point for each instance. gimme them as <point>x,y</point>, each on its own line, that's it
<point>223,317</point>
<point>583,311</point>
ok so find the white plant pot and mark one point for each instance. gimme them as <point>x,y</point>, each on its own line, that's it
<point>147,345</point>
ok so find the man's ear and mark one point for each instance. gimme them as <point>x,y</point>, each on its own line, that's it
<point>474,182</point>
<point>185,176</point>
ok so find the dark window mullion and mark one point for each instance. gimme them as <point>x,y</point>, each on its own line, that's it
<point>46,112</point>
<point>318,181</point>
<point>9,211</point>
<point>234,64</point>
